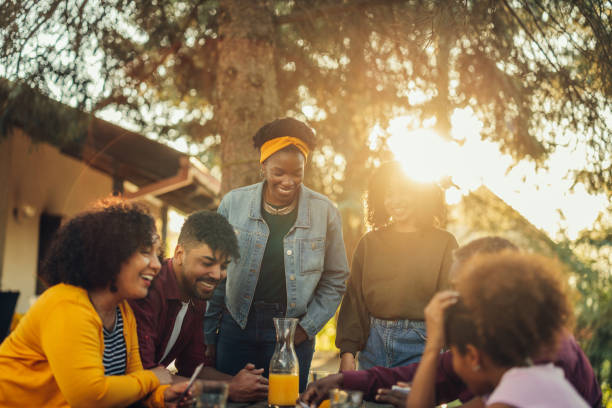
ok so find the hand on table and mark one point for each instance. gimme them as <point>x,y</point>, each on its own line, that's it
<point>394,397</point>
<point>248,385</point>
<point>319,390</point>
<point>174,392</point>
<point>300,335</point>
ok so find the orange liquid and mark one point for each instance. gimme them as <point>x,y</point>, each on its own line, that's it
<point>283,389</point>
<point>325,404</point>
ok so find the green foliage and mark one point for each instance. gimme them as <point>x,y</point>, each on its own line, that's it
<point>520,65</point>
<point>326,338</point>
<point>606,395</point>
<point>588,262</point>
<point>592,263</point>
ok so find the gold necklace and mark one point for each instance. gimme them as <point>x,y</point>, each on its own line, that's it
<point>269,208</point>
<point>279,211</point>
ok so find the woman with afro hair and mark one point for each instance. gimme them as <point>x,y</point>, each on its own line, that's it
<point>77,345</point>
<point>292,257</point>
<point>397,267</point>
<point>509,309</point>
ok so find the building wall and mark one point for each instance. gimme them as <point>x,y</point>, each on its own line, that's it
<point>5,164</point>
<point>37,178</point>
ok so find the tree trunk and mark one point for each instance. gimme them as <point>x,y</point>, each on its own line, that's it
<point>442,102</point>
<point>246,87</point>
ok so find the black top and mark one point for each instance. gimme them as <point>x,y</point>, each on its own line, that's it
<point>271,285</point>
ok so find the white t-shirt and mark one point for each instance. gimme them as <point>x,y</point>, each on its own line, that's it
<point>176,330</point>
<point>538,386</point>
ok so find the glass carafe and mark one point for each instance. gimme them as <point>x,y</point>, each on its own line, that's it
<point>284,386</point>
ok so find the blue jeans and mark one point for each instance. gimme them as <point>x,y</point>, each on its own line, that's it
<point>255,344</point>
<point>393,343</point>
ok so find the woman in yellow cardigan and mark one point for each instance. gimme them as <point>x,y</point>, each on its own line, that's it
<point>77,346</point>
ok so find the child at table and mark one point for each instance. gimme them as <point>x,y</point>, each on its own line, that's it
<point>508,308</point>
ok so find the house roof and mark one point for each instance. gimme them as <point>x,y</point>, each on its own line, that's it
<point>157,169</point>
<point>482,212</point>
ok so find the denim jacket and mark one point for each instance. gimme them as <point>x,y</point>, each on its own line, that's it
<point>316,267</point>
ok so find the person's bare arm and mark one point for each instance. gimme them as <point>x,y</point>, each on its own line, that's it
<point>347,362</point>
<point>423,393</point>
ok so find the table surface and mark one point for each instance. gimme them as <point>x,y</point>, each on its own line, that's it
<point>264,404</point>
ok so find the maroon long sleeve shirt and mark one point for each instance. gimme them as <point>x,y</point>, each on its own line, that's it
<point>155,316</point>
<point>449,387</point>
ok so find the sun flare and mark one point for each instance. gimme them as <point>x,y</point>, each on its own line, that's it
<point>427,157</point>
<point>422,154</point>
<point>470,162</point>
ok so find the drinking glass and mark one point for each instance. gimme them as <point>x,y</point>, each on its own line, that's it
<point>345,399</point>
<point>213,394</point>
<point>338,398</point>
<point>355,399</point>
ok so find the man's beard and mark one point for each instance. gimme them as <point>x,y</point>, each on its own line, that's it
<point>195,294</point>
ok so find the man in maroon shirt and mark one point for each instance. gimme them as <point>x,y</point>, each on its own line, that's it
<point>376,382</point>
<point>170,318</point>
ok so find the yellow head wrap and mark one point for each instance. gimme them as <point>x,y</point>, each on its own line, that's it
<point>278,143</point>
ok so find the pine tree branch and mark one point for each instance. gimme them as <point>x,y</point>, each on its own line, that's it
<point>330,10</point>
<point>529,34</point>
<point>45,17</point>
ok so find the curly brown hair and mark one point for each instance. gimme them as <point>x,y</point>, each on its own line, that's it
<point>517,303</point>
<point>430,205</point>
<point>89,249</point>
<point>489,245</point>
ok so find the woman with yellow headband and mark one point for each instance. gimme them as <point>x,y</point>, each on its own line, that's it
<point>292,257</point>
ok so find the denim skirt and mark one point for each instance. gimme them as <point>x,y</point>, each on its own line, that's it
<point>393,343</point>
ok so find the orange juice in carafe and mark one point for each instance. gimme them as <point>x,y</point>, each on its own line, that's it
<point>284,379</point>
<point>283,389</point>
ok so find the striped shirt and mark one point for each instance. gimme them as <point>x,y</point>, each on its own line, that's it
<point>115,356</point>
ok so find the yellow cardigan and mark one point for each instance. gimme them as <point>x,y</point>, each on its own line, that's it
<point>54,357</point>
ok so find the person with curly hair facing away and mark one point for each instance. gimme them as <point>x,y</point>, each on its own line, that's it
<point>397,267</point>
<point>509,308</point>
<point>77,345</point>
<point>170,318</point>
<point>292,257</point>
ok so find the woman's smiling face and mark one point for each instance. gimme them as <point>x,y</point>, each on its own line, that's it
<point>399,201</point>
<point>284,173</point>
<point>138,271</point>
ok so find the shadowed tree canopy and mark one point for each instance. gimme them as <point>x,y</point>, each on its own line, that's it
<point>212,72</point>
